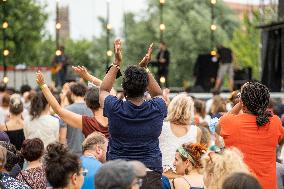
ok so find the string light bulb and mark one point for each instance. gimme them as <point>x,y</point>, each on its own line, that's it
<point>162,2</point>
<point>162,79</point>
<point>58,26</point>
<point>213,53</point>
<point>109,53</point>
<point>6,52</point>
<point>58,52</point>
<point>213,2</point>
<point>162,27</point>
<point>109,27</point>
<point>213,27</point>
<point>5,25</point>
<point>5,79</point>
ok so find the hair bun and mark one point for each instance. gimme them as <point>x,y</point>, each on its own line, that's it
<point>55,152</point>
<point>15,100</point>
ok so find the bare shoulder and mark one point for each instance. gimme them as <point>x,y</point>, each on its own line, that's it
<point>179,183</point>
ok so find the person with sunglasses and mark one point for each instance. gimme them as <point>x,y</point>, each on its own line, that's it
<point>63,168</point>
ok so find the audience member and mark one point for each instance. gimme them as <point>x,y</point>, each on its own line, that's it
<point>255,133</point>
<point>34,174</point>
<point>6,181</point>
<point>15,126</point>
<point>118,174</point>
<point>63,168</point>
<point>177,130</point>
<point>94,150</point>
<point>188,164</point>
<point>218,166</point>
<point>135,124</point>
<point>4,108</point>
<point>40,124</point>
<point>74,136</point>
<point>241,181</point>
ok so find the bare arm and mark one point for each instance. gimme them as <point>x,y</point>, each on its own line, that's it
<point>110,77</point>
<point>83,73</point>
<point>153,87</point>
<point>71,118</point>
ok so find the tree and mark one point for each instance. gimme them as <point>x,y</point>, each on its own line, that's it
<point>245,43</point>
<point>187,33</point>
<point>26,21</point>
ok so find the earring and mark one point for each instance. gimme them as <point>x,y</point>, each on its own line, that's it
<point>186,171</point>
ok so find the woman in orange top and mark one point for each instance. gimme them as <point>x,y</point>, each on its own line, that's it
<point>255,132</point>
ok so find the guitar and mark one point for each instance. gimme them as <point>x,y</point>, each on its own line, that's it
<point>56,68</point>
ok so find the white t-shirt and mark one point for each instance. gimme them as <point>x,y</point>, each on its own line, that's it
<point>169,143</point>
<point>46,127</point>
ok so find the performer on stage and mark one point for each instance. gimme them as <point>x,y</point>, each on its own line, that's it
<point>225,57</point>
<point>163,60</point>
<point>59,66</point>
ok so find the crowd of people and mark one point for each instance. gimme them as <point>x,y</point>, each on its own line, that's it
<point>93,137</point>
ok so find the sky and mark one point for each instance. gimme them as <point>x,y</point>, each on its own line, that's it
<point>83,14</point>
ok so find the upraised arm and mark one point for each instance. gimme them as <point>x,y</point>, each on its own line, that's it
<point>83,73</point>
<point>153,87</point>
<point>71,118</point>
<point>110,77</point>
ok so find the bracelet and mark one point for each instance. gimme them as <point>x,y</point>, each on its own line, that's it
<point>115,65</point>
<point>43,86</point>
<point>147,70</point>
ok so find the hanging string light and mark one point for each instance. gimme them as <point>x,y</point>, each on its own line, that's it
<point>162,25</point>
<point>5,52</point>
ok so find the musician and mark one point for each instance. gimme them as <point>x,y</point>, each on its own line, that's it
<point>163,60</point>
<point>59,67</point>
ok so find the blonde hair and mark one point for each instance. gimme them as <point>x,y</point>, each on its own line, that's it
<point>218,105</point>
<point>217,167</point>
<point>93,139</point>
<point>181,110</point>
<point>3,157</point>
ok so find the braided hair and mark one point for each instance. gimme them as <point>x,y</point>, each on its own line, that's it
<point>255,96</point>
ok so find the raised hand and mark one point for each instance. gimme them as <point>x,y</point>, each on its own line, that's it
<point>117,51</point>
<point>147,58</point>
<point>81,71</point>
<point>39,78</point>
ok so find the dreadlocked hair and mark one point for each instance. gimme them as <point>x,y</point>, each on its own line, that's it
<point>255,97</point>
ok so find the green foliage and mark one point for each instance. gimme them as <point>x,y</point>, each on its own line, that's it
<point>26,21</point>
<point>187,33</point>
<point>245,44</point>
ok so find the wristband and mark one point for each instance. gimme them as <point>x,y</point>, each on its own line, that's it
<point>147,70</point>
<point>115,65</point>
<point>43,86</point>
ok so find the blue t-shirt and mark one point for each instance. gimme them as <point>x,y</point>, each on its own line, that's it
<point>92,165</point>
<point>135,130</point>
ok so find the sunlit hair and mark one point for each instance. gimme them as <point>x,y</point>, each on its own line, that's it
<point>181,110</point>
<point>217,167</point>
<point>218,105</point>
<point>96,138</point>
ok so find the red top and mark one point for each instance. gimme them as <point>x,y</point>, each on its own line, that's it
<point>258,144</point>
<point>90,124</point>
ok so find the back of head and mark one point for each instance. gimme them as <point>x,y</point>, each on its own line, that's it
<point>12,157</point>
<point>199,107</point>
<point>38,104</point>
<point>60,165</point>
<point>181,110</point>
<point>255,96</point>
<point>135,81</point>
<point>117,174</point>
<point>78,89</point>
<point>3,157</point>
<point>16,105</point>
<point>96,138</point>
<point>218,105</point>
<point>32,149</point>
<point>241,181</point>
<point>6,100</point>
<point>92,98</point>
<point>217,167</point>
<point>25,88</point>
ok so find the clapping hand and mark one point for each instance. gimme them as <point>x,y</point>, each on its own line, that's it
<point>117,51</point>
<point>147,58</point>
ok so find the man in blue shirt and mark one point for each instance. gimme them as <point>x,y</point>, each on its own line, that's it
<point>94,154</point>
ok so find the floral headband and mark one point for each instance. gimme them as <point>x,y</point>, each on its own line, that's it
<point>186,155</point>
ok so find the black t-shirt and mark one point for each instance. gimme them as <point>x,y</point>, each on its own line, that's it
<point>225,55</point>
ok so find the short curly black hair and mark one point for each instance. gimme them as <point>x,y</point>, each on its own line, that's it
<point>78,89</point>
<point>32,149</point>
<point>135,81</point>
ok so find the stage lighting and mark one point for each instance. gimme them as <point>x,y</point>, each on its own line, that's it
<point>6,52</point>
<point>162,27</point>
<point>5,25</point>
<point>109,53</point>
